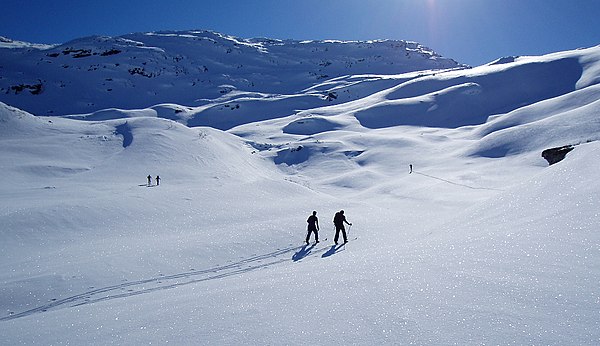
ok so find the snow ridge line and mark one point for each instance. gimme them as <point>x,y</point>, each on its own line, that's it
<point>232,269</point>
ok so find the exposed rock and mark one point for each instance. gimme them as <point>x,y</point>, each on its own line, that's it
<point>34,89</point>
<point>554,155</point>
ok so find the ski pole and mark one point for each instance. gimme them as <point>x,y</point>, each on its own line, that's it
<point>349,226</point>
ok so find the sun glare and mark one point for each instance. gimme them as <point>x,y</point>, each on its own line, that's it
<point>432,20</point>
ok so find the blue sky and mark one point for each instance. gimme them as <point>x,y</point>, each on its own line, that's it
<point>470,31</point>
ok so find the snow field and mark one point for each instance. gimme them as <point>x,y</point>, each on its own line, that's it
<point>482,243</point>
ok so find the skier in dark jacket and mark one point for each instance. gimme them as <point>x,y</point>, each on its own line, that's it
<point>338,221</point>
<point>157,180</point>
<point>149,180</point>
<point>313,226</point>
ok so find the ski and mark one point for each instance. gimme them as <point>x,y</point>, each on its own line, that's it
<point>349,240</point>
<point>315,243</point>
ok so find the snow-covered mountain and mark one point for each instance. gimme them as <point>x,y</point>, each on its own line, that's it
<point>482,243</point>
<point>188,68</point>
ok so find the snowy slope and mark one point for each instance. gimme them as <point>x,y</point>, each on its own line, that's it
<point>483,243</point>
<point>188,68</point>
<point>435,98</point>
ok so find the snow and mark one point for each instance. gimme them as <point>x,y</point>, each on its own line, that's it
<point>483,243</point>
<point>187,68</point>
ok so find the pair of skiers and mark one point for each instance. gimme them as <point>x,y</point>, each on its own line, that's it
<point>150,180</point>
<point>338,221</point>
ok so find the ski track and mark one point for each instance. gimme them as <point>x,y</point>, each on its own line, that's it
<point>457,184</point>
<point>164,282</point>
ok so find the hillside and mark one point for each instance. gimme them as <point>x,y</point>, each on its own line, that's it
<point>188,68</point>
<point>483,242</point>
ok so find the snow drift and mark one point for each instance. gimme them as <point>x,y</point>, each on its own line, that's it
<point>482,243</point>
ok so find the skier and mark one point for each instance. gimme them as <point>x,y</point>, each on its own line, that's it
<point>313,226</point>
<point>149,180</point>
<point>157,180</point>
<point>410,169</point>
<point>338,221</point>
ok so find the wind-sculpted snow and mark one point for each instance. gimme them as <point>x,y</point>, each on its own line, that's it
<point>125,131</point>
<point>460,234</point>
<point>311,126</point>
<point>541,110</point>
<point>460,99</point>
<point>112,114</point>
<point>568,120</point>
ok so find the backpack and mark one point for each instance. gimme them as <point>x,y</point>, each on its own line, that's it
<point>338,219</point>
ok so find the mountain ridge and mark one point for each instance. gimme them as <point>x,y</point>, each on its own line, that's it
<point>187,67</point>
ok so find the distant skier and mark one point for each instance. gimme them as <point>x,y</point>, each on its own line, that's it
<point>338,221</point>
<point>410,169</point>
<point>157,180</point>
<point>313,226</point>
<point>149,180</point>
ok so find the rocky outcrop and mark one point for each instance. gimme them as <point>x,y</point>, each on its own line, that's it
<point>554,155</point>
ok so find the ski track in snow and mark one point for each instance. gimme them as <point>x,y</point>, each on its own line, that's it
<point>457,184</point>
<point>164,282</point>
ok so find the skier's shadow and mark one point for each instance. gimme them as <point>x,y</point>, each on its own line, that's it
<point>334,249</point>
<point>303,252</point>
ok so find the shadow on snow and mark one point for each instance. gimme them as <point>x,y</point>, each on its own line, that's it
<point>333,250</point>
